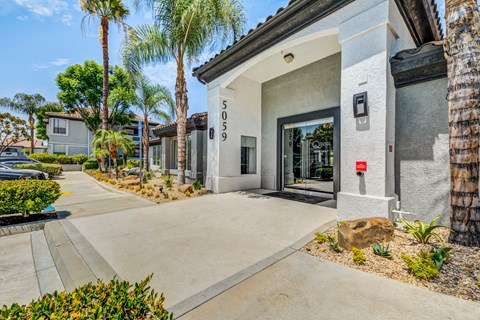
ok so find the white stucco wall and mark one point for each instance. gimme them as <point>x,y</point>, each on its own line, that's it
<point>310,88</point>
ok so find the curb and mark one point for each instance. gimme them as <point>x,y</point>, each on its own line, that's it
<point>187,305</point>
<point>77,262</point>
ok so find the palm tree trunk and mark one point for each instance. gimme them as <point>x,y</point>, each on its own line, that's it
<point>181,110</point>
<point>462,51</point>
<point>146,143</point>
<point>31,122</point>
<point>116,167</point>
<point>104,28</point>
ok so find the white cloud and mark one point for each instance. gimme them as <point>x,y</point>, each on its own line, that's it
<point>55,63</point>
<point>22,18</point>
<point>44,8</point>
<point>164,74</point>
<point>67,19</point>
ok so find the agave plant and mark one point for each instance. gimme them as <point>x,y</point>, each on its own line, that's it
<point>421,231</point>
<point>381,250</point>
<point>334,244</point>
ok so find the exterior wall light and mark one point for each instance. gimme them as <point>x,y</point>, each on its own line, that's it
<point>289,57</point>
<point>360,105</point>
<point>211,133</point>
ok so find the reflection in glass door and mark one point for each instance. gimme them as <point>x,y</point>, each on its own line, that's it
<point>308,155</point>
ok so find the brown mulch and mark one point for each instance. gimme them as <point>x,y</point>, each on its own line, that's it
<point>458,277</point>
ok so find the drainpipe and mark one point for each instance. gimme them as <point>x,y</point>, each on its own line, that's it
<point>397,214</point>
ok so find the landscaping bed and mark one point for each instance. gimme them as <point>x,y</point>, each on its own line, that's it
<point>17,219</point>
<point>459,277</point>
<point>151,188</point>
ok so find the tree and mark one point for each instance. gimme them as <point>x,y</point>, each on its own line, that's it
<point>182,30</point>
<point>12,130</point>
<point>27,104</point>
<point>106,10</point>
<point>115,141</point>
<point>152,100</point>
<point>462,51</point>
<point>41,116</point>
<point>81,89</point>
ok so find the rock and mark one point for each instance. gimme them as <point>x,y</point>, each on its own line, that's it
<point>363,233</point>
<point>183,188</point>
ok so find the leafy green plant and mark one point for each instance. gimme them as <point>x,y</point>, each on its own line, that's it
<point>332,242</point>
<point>90,164</point>
<point>381,250</point>
<point>50,168</point>
<point>132,164</point>
<point>79,158</point>
<point>421,231</point>
<point>113,300</point>
<point>440,256</point>
<point>422,267</point>
<point>197,185</point>
<point>27,196</point>
<point>358,256</point>
<point>44,157</point>
<point>324,172</point>
<point>168,179</point>
<point>64,159</point>
<point>320,237</point>
<point>187,194</point>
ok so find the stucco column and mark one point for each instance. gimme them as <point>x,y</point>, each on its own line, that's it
<point>367,41</point>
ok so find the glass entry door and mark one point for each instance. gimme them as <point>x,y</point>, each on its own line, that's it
<point>308,155</point>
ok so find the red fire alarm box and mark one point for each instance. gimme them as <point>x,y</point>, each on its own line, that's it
<point>361,166</point>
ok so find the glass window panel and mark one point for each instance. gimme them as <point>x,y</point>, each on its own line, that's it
<point>248,155</point>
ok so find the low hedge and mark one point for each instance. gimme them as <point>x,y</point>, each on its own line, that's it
<point>27,196</point>
<point>91,164</point>
<point>114,300</point>
<point>60,159</point>
<point>50,168</point>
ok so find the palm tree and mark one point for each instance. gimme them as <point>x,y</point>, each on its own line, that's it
<point>116,141</point>
<point>28,104</point>
<point>182,31</point>
<point>152,100</point>
<point>462,51</point>
<point>106,10</point>
<point>127,148</point>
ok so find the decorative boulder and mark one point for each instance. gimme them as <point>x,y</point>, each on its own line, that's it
<point>183,188</point>
<point>363,233</point>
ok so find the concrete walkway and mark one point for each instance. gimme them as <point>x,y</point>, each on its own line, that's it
<point>304,287</point>
<point>193,245</point>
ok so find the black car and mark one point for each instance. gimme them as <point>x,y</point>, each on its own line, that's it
<point>12,161</point>
<point>10,173</point>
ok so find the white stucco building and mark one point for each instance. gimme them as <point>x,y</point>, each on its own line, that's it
<point>281,101</point>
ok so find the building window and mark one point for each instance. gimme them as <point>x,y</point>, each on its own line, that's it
<point>188,163</point>
<point>60,126</point>
<point>248,155</point>
<point>156,155</point>
<point>174,154</point>
<point>59,149</point>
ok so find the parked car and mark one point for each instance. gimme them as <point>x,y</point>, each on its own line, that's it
<point>11,173</point>
<point>13,160</point>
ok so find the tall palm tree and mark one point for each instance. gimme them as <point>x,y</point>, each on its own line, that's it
<point>116,141</point>
<point>182,31</point>
<point>28,104</point>
<point>106,10</point>
<point>153,101</point>
<point>462,51</point>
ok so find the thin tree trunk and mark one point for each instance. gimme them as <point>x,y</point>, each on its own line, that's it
<point>116,167</point>
<point>462,51</point>
<point>181,110</point>
<point>104,39</point>
<point>125,156</point>
<point>146,144</point>
<point>31,122</point>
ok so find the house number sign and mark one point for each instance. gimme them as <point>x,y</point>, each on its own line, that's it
<point>224,120</point>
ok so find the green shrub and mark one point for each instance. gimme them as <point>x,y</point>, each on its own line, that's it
<point>64,159</point>
<point>132,164</point>
<point>324,172</point>
<point>422,267</point>
<point>197,185</point>
<point>440,256</point>
<point>79,158</point>
<point>44,157</point>
<point>168,179</point>
<point>113,300</point>
<point>90,164</point>
<point>27,196</point>
<point>50,168</point>
<point>320,237</point>
<point>421,231</point>
<point>381,250</point>
<point>358,256</point>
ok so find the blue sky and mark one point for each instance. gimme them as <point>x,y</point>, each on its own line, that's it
<point>43,37</point>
